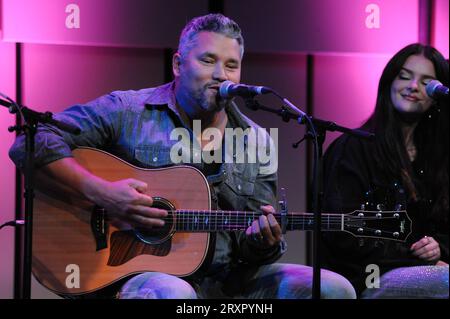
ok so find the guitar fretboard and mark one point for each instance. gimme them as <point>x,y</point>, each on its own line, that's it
<point>204,221</point>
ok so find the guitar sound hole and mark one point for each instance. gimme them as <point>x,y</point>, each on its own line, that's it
<point>158,234</point>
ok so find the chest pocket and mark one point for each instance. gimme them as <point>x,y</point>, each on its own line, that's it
<point>153,156</point>
<point>241,179</point>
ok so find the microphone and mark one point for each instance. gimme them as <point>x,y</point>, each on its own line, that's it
<point>229,89</point>
<point>436,90</point>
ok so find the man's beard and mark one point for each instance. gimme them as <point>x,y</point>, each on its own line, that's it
<point>210,102</point>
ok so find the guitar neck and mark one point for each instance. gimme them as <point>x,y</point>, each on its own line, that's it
<point>209,221</point>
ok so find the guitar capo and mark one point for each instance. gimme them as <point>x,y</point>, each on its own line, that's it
<point>283,210</point>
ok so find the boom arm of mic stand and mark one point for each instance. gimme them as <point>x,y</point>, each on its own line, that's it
<point>287,115</point>
<point>38,117</point>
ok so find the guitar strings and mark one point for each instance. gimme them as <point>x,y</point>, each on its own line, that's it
<point>195,215</point>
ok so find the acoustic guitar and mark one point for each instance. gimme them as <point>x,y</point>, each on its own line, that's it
<point>77,251</point>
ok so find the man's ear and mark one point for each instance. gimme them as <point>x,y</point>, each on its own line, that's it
<point>176,62</point>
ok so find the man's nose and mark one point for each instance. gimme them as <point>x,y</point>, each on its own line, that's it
<point>219,73</point>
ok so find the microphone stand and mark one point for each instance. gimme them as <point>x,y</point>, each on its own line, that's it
<point>316,130</point>
<point>31,119</point>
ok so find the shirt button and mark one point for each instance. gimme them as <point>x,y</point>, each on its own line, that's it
<point>239,187</point>
<point>155,159</point>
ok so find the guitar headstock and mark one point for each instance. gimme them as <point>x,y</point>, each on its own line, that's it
<point>392,225</point>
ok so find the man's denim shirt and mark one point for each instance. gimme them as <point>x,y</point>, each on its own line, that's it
<point>136,126</point>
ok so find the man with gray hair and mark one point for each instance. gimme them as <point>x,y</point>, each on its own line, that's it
<point>135,125</point>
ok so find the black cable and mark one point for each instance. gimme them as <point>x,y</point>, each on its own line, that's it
<point>13,223</point>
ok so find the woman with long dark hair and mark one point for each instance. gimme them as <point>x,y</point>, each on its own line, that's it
<point>406,164</point>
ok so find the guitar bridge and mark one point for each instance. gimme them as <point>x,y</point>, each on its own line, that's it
<point>99,227</point>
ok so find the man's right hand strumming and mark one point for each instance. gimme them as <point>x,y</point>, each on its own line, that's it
<point>125,200</point>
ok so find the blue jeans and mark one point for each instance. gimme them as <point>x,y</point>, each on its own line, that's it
<point>419,282</point>
<point>281,281</point>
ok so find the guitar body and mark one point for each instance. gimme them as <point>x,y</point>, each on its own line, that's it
<point>73,241</point>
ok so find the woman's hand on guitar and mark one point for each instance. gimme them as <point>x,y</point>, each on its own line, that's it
<point>265,232</point>
<point>125,201</point>
<point>427,248</point>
